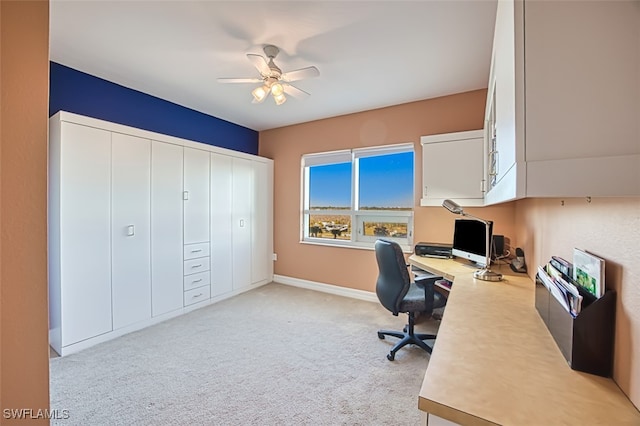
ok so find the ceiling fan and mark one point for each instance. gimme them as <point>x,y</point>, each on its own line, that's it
<point>273,80</point>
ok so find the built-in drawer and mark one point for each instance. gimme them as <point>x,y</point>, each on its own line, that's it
<point>196,295</point>
<point>197,280</point>
<point>193,266</point>
<point>192,251</point>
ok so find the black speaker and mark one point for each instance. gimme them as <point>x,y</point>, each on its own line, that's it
<point>498,246</point>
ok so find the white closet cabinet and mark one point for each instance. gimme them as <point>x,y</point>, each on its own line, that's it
<point>262,226</point>
<point>132,218</point>
<point>130,229</point>
<point>242,184</point>
<point>79,233</point>
<point>221,224</point>
<point>196,196</point>
<point>166,227</point>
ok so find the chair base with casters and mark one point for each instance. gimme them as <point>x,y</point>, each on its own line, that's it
<point>408,337</point>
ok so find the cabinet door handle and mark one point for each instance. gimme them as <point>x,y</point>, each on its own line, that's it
<point>131,230</point>
<point>497,162</point>
<point>185,195</point>
<point>493,163</point>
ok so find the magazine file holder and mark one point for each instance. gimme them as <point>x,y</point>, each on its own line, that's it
<point>585,341</point>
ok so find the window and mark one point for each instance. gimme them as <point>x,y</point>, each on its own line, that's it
<point>353,197</point>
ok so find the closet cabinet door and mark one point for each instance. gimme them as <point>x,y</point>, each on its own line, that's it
<point>196,196</point>
<point>130,238</point>
<point>242,205</point>
<point>221,224</point>
<point>262,223</point>
<point>166,227</point>
<point>84,232</point>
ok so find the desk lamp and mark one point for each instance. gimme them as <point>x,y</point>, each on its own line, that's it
<point>485,274</point>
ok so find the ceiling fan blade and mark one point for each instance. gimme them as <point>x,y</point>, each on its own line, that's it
<point>295,92</point>
<point>260,63</point>
<point>300,74</point>
<point>239,80</point>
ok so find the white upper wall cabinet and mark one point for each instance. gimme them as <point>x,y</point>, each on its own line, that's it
<point>564,100</point>
<point>452,167</point>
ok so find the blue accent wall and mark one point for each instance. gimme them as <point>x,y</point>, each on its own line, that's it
<point>74,91</point>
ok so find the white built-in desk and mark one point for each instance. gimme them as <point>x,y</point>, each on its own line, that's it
<point>495,362</point>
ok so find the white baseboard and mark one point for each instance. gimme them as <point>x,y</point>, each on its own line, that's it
<point>55,340</point>
<point>327,288</point>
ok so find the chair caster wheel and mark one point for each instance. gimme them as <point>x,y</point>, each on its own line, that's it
<point>390,357</point>
<point>381,336</point>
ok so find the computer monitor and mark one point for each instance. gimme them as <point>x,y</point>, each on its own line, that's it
<point>470,240</point>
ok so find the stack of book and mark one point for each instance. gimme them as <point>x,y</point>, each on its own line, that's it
<point>559,277</point>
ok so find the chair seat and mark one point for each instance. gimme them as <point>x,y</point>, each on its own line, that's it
<point>415,301</point>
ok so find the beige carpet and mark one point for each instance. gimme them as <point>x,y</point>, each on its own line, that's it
<point>276,355</point>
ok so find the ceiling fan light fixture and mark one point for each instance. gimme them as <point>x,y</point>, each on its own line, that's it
<point>259,93</point>
<point>272,80</point>
<point>277,89</point>
<point>280,99</point>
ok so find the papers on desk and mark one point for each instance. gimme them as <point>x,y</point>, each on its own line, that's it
<point>444,284</point>
<point>562,289</point>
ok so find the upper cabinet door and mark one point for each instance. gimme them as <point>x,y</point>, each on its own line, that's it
<point>453,167</point>
<point>84,232</point>
<point>582,98</point>
<point>196,196</point>
<point>166,227</point>
<point>130,229</point>
<point>566,103</point>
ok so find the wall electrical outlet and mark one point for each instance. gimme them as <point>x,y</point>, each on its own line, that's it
<point>275,256</point>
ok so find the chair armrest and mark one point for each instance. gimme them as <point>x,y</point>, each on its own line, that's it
<point>427,281</point>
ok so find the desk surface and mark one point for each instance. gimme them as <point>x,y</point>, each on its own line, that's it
<point>495,362</point>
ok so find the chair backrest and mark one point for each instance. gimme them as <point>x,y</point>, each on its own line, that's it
<point>393,278</point>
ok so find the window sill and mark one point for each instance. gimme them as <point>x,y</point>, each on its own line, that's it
<point>350,245</point>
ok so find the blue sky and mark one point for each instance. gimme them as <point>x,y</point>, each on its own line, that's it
<point>385,181</point>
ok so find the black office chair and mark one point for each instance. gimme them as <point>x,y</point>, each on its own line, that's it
<point>397,293</point>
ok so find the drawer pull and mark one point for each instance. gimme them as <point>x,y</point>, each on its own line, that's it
<point>197,266</point>
<point>198,295</point>
<point>196,250</point>
<point>197,281</point>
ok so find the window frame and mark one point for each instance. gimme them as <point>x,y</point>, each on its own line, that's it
<point>357,216</point>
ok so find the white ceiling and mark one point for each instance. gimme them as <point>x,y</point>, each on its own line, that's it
<point>370,54</point>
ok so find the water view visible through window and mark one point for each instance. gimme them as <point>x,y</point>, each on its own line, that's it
<point>383,183</point>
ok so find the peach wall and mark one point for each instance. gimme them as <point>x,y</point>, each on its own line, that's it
<point>610,228</point>
<point>349,267</point>
<point>24,79</point>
